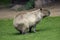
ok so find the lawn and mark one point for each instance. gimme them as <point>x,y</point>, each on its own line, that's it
<point>47,29</point>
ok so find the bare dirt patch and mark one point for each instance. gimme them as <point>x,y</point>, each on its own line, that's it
<point>7,13</point>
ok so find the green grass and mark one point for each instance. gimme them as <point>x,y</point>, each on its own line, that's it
<point>47,29</point>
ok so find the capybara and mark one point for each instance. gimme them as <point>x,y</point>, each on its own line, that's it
<point>25,21</point>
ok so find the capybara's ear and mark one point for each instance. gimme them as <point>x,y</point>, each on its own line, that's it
<point>41,9</point>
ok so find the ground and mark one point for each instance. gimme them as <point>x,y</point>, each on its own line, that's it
<point>7,13</point>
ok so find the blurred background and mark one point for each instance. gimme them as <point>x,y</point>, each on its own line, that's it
<point>10,7</point>
<point>28,4</point>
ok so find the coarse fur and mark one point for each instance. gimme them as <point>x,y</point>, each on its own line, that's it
<point>25,21</point>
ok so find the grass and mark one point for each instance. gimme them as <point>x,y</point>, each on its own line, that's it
<point>47,29</point>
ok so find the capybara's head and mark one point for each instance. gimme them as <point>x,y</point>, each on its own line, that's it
<point>45,12</point>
